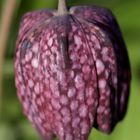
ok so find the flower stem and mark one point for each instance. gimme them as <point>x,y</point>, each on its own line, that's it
<point>62,7</point>
<point>6,19</point>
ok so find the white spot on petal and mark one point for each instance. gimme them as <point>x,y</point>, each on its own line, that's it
<point>55,104</point>
<point>74,28</point>
<point>90,101</point>
<point>115,80</point>
<point>86,69</point>
<point>50,42</point>
<point>65,111</point>
<point>28,56</point>
<point>105,127</point>
<point>83,110</point>
<point>64,100</point>
<point>100,109</point>
<point>66,119</point>
<point>35,48</point>
<point>102,83</point>
<point>85,127</point>
<point>30,83</point>
<point>77,40</point>
<point>100,66</point>
<point>35,62</point>
<point>38,101</point>
<point>73,56</point>
<point>61,131</point>
<point>36,88</point>
<point>93,38</point>
<point>83,59</point>
<point>69,137</point>
<point>105,51</point>
<point>106,112</point>
<point>75,122</point>
<point>79,83</point>
<point>71,92</point>
<point>74,105</point>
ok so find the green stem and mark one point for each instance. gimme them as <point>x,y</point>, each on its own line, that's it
<point>62,7</point>
<point>6,20</point>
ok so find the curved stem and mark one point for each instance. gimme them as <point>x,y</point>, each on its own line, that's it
<point>6,19</point>
<point>62,8</point>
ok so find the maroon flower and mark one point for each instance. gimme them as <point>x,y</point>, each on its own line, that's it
<point>72,71</point>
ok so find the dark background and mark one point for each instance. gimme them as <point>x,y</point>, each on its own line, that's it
<point>14,125</point>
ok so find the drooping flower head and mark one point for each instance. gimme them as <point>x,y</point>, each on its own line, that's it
<point>72,71</point>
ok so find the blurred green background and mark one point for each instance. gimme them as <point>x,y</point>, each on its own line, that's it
<point>14,125</point>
